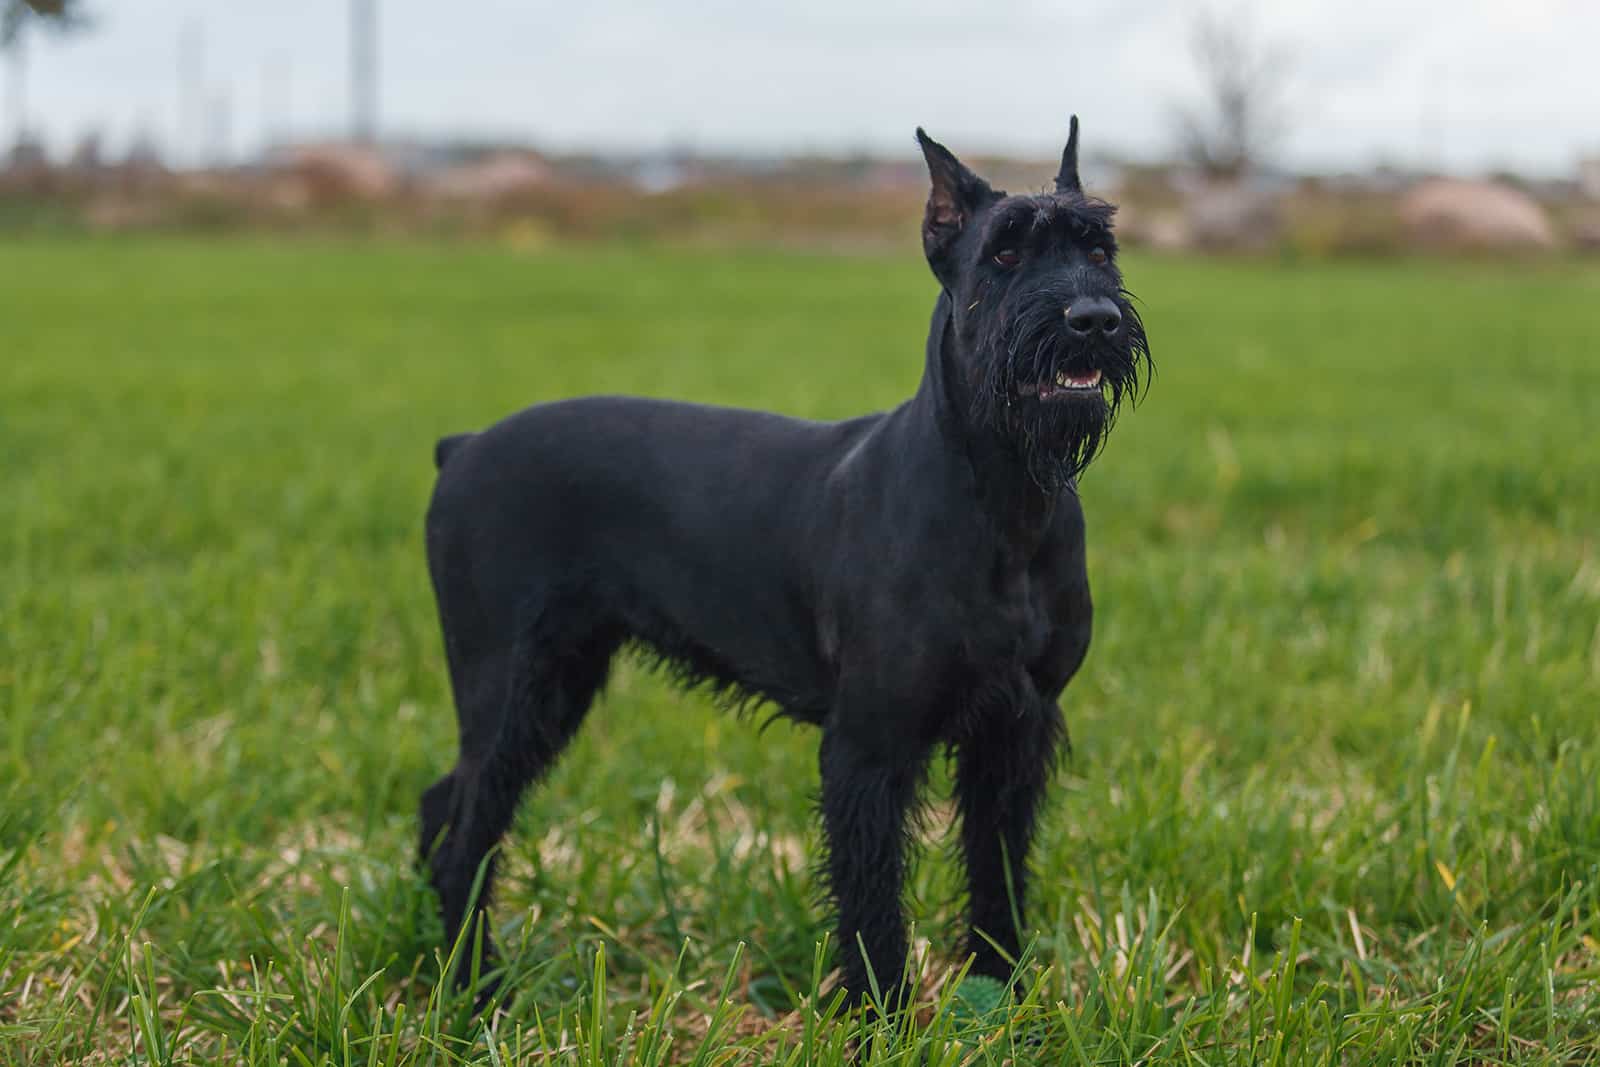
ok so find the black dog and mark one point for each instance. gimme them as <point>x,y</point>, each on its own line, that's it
<point>905,581</point>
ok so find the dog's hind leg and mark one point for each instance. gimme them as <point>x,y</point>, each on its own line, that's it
<point>869,787</point>
<point>1002,768</point>
<point>519,706</point>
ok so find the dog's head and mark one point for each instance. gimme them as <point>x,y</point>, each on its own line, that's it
<point>1049,341</point>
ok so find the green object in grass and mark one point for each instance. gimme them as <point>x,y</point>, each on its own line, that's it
<point>979,996</point>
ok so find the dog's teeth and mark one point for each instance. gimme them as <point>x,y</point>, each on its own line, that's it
<point>1064,380</point>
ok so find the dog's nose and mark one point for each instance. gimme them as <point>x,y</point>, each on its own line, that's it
<point>1092,313</point>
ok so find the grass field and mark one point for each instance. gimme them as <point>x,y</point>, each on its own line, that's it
<point>1336,791</point>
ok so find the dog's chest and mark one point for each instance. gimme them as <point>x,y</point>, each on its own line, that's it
<point>977,625</point>
<point>1017,628</point>
<point>994,675</point>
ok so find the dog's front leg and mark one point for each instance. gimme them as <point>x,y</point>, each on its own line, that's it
<point>868,789</point>
<point>1002,769</point>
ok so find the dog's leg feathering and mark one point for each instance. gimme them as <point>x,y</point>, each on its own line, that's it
<point>520,707</point>
<point>1002,769</point>
<point>868,792</point>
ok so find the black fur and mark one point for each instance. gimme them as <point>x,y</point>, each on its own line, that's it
<point>905,581</point>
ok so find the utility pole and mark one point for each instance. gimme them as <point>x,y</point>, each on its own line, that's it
<point>16,57</point>
<point>1431,139</point>
<point>192,93</point>
<point>363,71</point>
<point>219,128</point>
<point>275,101</point>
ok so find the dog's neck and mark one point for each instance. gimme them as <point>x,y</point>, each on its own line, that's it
<point>1012,503</point>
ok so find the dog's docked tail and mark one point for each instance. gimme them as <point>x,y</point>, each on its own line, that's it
<point>447,445</point>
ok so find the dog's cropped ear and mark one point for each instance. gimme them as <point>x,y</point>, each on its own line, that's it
<point>1067,180</point>
<point>955,196</point>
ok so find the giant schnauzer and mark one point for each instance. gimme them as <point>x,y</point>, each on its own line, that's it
<point>906,581</point>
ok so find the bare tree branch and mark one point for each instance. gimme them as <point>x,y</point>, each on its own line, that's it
<point>1243,114</point>
<point>58,14</point>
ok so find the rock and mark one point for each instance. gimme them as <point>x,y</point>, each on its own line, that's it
<point>493,177</point>
<point>1230,217</point>
<point>1457,215</point>
<point>343,170</point>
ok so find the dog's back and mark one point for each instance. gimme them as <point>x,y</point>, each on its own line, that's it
<point>682,525</point>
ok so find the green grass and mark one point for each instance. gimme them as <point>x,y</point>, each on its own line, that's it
<point>1336,791</point>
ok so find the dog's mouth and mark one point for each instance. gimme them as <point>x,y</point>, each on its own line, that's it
<point>1063,386</point>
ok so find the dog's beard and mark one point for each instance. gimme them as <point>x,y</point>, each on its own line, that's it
<point>1057,430</point>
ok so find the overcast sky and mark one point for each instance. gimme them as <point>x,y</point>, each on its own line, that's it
<point>1466,85</point>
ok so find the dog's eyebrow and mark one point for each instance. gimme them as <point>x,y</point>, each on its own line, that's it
<point>1090,216</point>
<point>1028,216</point>
<point>1015,221</point>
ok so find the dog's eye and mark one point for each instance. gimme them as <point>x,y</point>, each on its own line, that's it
<point>1007,257</point>
<point>1097,256</point>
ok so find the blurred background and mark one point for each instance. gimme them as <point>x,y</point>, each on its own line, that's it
<point>1311,127</point>
<point>1333,792</point>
